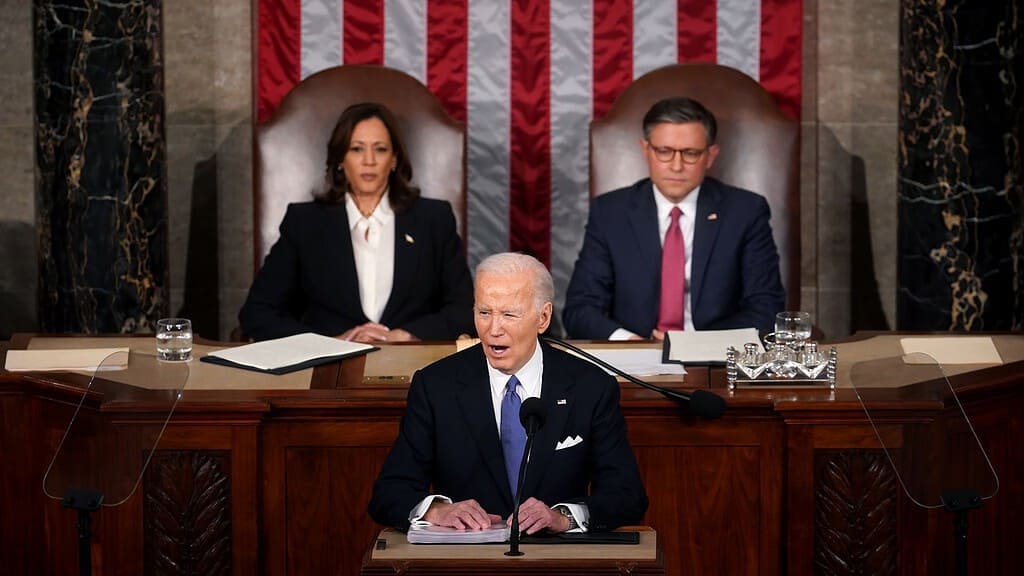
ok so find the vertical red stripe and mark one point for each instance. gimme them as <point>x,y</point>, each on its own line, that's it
<point>613,52</point>
<point>363,32</point>
<point>782,52</point>
<point>447,54</point>
<point>530,147</point>
<point>278,49</point>
<point>697,30</point>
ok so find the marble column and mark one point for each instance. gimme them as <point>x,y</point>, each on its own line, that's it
<point>101,181</point>
<point>961,186</point>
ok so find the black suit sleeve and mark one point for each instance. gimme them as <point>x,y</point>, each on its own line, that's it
<point>453,313</point>
<point>617,495</point>
<point>405,478</point>
<point>275,298</point>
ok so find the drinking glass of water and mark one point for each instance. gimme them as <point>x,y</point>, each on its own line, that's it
<point>174,339</point>
<point>792,328</point>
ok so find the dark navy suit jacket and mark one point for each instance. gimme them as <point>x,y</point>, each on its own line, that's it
<point>448,439</point>
<point>308,281</point>
<point>735,281</point>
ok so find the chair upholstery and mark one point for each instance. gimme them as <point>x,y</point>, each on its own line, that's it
<point>760,147</point>
<point>291,147</point>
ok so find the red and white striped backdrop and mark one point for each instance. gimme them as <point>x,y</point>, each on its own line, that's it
<point>526,76</point>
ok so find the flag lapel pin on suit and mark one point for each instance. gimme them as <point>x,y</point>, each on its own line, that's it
<point>712,216</point>
<point>561,402</point>
<point>409,239</point>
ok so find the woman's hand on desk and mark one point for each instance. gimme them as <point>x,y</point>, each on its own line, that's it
<point>372,333</point>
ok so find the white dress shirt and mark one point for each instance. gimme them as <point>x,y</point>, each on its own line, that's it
<point>373,246</point>
<point>530,380</point>
<point>687,224</point>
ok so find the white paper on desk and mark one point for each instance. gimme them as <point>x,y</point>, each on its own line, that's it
<point>703,346</point>
<point>81,359</point>
<point>289,351</point>
<point>954,349</point>
<point>497,532</point>
<point>637,361</point>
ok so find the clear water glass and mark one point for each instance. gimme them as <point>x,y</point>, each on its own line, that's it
<point>792,328</point>
<point>174,339</point>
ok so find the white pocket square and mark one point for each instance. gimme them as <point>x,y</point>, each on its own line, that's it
<point>569,442</point>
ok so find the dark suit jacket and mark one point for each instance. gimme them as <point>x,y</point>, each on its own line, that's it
<point>735,281</point>
<point>308,281</point>
<point>448,439</point>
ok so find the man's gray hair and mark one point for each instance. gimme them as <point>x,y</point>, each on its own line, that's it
<point>680,110</point>
<point>508,263</point>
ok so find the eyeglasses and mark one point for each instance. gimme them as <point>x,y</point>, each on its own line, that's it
<point>666,154</point>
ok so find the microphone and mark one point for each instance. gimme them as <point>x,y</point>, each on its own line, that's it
<point>698,403</point>
<point>532,414</point>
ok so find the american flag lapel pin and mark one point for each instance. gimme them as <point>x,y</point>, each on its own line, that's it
<point>409,239</point>
<point>561,402</point>
<point>713,216</point>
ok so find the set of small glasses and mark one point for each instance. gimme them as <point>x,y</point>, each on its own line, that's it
<point>789,355</point>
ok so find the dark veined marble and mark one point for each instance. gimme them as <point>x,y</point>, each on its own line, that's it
<point>101,181</point>
<point>961,188</point>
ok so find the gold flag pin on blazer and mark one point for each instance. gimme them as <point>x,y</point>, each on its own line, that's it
<point>712,216</point>
<point>409,239</point>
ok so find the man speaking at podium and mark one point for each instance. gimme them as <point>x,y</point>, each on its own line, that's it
<point>456,459</point>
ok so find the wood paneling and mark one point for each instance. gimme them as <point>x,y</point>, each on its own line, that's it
<point>788,482</point>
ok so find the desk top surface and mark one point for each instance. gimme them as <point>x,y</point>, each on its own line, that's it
<point>398,548</point>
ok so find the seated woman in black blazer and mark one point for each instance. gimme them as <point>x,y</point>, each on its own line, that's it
<point>369,260</point>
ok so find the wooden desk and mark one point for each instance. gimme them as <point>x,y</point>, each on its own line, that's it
<point>399,557</point>
<point>277,481</point>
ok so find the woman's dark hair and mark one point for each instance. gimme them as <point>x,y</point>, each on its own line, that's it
<point>401,193</point>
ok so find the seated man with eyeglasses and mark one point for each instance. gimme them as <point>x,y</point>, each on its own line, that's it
<point>679,250</point>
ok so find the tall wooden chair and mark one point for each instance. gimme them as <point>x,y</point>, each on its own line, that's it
<point>291,147</point>
<point>760,146</point>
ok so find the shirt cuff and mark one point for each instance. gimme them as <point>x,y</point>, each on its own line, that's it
<point>622,334</point>
<point>417,513</point>
<point>580,513</point>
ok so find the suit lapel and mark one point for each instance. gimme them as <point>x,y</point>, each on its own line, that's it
<point>474,400</point>
<point>556,385</point>
<point>705,232</point>
<point>643,221</point>
<point>406,262</point>
<point>342,262</point>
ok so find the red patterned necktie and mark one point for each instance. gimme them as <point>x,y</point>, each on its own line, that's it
<point>673,276</point>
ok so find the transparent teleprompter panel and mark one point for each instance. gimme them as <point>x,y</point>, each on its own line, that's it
<point>115,427</point>
<point>924,430</point>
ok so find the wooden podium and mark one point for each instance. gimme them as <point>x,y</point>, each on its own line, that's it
<point>277,472</point>
<point>390,554</point>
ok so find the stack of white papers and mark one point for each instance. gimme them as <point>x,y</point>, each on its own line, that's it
<point>288,354</point>
<point>637,361</point>
<point>445,535</point>
<point>707,346</point>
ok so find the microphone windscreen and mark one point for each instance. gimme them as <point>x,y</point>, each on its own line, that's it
<point>533,412</point>
<point>706,404</point>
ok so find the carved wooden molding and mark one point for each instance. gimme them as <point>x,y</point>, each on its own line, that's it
<point>855,500</point>
<point>187,513</point>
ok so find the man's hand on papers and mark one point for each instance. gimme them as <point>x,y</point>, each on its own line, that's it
<point>374,333</point>
<point>657,335</point>
<point>465,515</point>
<point>535,516</point>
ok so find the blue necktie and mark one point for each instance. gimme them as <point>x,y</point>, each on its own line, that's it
<point>513,436</point>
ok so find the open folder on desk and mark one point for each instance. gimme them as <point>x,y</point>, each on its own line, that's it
<point>288,354</point>
<point>706,346</point>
